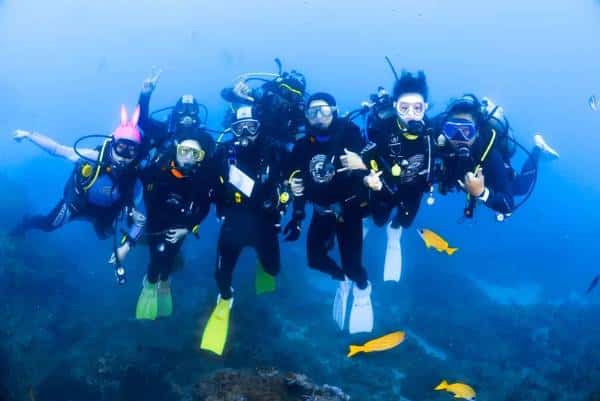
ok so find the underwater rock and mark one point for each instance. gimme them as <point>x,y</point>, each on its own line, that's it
<point>264,385</point>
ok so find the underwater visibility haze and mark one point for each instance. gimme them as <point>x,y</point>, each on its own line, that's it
<point>483,309</point>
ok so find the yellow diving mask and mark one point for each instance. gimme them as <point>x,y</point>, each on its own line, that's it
<point>190,153</point>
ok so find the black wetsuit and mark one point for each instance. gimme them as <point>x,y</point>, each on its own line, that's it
<point>498,173</point>
<point>281,118</point>
<point>174,199</point>
<point>96,193</point>
<point>248,220</point>
<point>339,199</point>
<point>404,158</point>
<point>156,132</point>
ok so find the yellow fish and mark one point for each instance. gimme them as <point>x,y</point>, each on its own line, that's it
<point>460,390</point>
<point>432,240</point>
<point>384,343</point>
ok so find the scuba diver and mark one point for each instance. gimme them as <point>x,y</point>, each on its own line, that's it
<point>339,205</point>
<point>474,137</point>
<point>399,159</point>
<point>250,200</point>
<point>184,116</point>
<point>278,103</point>
<point>104,183</point>
<point>178,185</point>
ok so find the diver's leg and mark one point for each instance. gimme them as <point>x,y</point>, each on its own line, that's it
<point>59,215</point>
<point>349,233</point>
<point>319,242</point>
<point>267,248</point>
<point>229,249</point>
<point>525,179</point>
<point>349,237</point>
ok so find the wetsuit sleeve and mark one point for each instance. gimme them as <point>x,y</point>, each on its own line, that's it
<point>138,213</point>
<point>154,130</point>
<point>498,195</point>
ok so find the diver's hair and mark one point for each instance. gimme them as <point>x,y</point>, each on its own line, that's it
<point>411,83</point>
<point>468,103</point>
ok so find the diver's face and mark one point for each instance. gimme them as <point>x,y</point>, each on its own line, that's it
<point>189,154</point>
<point>461,130</point>
<point>320,114</point>
<point>120,160</point>
<point>411,107</point>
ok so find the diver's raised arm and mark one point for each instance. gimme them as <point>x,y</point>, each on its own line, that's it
<point>54,148</point>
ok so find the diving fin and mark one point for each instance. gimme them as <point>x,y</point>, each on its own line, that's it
<point>147,304</point>
<point>264,282</point>
<point>393,255</point>
<point>361,314</point>
<point>217,328</point>
<point>340,303</point>
<point>165,300</point>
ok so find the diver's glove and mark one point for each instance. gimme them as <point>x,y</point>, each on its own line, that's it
<point>175,235</point>
<point>293,228</point>
<point>150,83</point>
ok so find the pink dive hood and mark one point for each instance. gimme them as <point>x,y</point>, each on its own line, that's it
<point>128,129</point>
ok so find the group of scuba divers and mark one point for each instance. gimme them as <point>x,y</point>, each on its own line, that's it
<point>157,178</point>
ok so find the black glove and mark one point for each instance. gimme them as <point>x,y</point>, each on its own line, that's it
<point>292,230</point>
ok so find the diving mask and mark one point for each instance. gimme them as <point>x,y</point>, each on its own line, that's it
<point>190,154</point>
<point>459,129</point>
<point>126,148</point>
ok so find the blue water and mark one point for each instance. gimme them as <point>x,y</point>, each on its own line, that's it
<point>507,314</point>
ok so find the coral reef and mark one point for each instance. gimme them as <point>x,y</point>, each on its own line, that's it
<point>264,385</point>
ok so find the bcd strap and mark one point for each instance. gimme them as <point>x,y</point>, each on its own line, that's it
<point>86,170</point>
<point>468,212</point>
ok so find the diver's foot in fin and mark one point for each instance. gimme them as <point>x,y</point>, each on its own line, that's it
<point>392,269</point>
<point>541,143</point>
<point>340,303</point>
<point>165,300</point>
<point>361,314</point>
<point>217,328</point>
<point>147,304</point>
<point>264,282</point>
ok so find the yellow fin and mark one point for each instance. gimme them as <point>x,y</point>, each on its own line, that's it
<point>450,251</point>
<point>442,386</point>
<point>354,349</point>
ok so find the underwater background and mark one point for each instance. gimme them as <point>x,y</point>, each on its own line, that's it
<point>507,314</point>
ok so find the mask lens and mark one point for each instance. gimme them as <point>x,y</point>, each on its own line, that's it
<point>404,108</point>
<point>186,121</point>
<point>323,111</point>
<point>189,153</point>
<point>125,148</point>
<point>459,130</point>
<point>245,127</point>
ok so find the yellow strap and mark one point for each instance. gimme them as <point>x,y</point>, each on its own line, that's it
<point>99,167</point>
<point>296,91</point>
<point>293,174</point>
<point>485,155</point>
<point>410,137</point>
<point>487,150</point>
